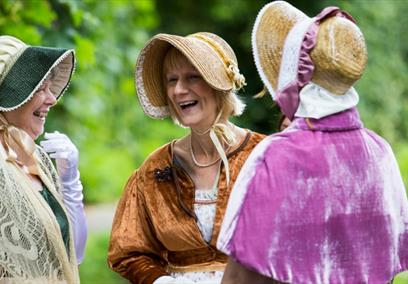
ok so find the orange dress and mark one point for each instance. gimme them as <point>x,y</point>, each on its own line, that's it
<point>155,231</point>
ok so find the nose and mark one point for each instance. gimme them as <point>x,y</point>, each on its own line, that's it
<point>50,99</point>
<point>181,87</point>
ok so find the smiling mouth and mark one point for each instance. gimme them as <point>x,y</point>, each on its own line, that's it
<point>40,114</point>
<point>187,104</point>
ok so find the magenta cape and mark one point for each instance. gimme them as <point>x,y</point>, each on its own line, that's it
<point>320,205</point>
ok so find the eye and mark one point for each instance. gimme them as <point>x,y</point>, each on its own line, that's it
<point>171,79</point>
<point>194,77</point>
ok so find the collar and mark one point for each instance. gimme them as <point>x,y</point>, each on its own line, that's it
<point>342,121</point>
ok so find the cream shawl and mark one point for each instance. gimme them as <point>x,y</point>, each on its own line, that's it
<point>31,245</point>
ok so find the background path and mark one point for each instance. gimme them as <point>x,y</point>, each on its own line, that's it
<point>100,217</point>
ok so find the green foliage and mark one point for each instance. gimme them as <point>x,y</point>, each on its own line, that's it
<point>100,111</point>
<point>94,268</point>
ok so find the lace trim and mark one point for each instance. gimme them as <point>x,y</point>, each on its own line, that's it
<point>148,108</point>
<point>30,247</point>
<point>210,277</point>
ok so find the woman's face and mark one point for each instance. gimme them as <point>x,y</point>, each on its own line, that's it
<point>31,116</point>
<point>192,99</point>
<point>284,124</point>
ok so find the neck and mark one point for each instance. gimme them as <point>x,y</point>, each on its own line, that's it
<point>203,147</point>
<point>206,131</point>
<point>201,140</point>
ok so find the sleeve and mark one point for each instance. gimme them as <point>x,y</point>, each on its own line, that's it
<point>72,197</point>
<point>134,251</point>
<point>73,200</point>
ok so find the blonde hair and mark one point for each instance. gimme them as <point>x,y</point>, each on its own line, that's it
<point>228,102</point>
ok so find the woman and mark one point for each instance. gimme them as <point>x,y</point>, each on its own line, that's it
<point>42,222</point>
<point>168,219</point>
<point>330,206</point>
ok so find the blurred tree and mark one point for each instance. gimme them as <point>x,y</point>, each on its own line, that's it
<point>100,110</point>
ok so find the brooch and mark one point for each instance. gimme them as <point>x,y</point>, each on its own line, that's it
<point>163,174</point>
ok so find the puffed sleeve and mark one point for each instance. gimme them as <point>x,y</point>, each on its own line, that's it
<point>134,251</point>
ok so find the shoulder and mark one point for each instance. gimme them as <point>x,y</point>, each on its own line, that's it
<point>255,138</point>
<point>159,158</point>
<point>239,155</point>
<point>155,165</point>
<point>250,141</point>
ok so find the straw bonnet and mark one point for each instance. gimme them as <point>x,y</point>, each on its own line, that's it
<point>24,68</point>
<point>208,53</point>
<point>328,50</point>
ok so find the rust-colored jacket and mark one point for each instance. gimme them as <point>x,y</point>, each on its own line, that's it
<point>155,231</point>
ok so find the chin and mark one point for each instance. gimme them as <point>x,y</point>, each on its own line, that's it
<point>191,122</point>
<point>36,134</point>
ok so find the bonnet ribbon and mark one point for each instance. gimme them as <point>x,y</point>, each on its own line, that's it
<point>220,130</point>
<point>288,97</point>
<point>19,146</point>
<point>231,67</point>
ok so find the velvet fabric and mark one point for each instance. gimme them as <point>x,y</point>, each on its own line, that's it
<point>322,202</point>
<point>155,231</point>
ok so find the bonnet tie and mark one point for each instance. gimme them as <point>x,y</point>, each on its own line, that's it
<point>19,146</point>
<point>217,131</point>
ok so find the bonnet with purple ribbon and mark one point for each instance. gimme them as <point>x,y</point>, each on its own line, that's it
<point>288,96</point>
<point>297,69</point>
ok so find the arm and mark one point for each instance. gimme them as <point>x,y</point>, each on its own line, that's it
<point>66,155</point>
<point>236,273</point>
<point>134,251</point>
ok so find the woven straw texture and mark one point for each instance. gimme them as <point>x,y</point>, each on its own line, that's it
<point>340,54</point>
<point>207,52</point>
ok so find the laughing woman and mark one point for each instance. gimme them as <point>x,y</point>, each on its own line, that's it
<point>167,221</point>
<point>42,222</point>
